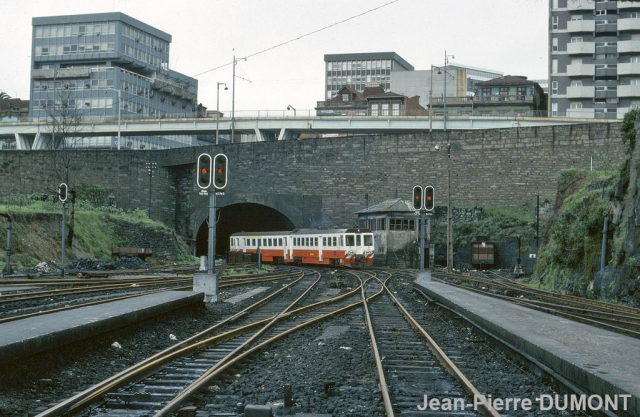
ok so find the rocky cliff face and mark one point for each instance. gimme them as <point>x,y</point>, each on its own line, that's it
<point>621,277</point>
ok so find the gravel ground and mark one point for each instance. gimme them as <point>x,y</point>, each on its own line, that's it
<point>42,381</point>
<point>336,351</point>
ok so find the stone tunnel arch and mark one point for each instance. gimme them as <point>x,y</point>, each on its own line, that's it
<point>239,217</point>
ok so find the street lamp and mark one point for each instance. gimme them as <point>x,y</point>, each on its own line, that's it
<point>233,97</point>
<point>446,62</point>
<point>290,107</point>
<point>218,106</point>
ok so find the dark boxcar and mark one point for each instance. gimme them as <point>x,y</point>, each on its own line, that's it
<point>484,255</point>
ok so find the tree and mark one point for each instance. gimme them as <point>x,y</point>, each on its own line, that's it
<point>4,96</point>
<point>63,126</point>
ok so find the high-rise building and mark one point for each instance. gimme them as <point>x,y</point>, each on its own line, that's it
<point>356,70</point>
<point>594,58</point>
<point>107,66</point>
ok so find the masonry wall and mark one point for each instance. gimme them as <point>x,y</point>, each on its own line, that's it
<point>324,182</point>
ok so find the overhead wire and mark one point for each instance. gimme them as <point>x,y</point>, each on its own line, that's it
<point>300,37</point>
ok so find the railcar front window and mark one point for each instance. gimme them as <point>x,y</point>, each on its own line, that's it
<point>368,240</point>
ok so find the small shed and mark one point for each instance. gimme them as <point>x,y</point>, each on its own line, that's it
<point>394,225</point>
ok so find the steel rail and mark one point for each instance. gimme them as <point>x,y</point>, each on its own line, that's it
<point>232,359</point>
<point>224,284</point>
<point>173,404</point>
<point>443,358</point>
<point>384,388</point>
<point>86,397</point>
<point>557,310</point>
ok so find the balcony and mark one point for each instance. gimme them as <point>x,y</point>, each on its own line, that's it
<point>581,5</point>
<point>581,113</point>
<point>629,68</point>
<point>602,73</point>
<point>581,26</point>
<point>580,70</point>
<point>628,24</point>
<point>580,91</point>
<point>628,46</point>
<point>581,48</point>
<point>629,91</point>
<point>629,5</point>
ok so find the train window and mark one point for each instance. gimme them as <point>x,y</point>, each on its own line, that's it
<point>269,242</point>
<point>307,243</point>
<point>279,241</point>
<point>368,240</point>
<point>358,240</point>
<point>335,241</point>
<point>324,241</point>
<point>350,240</point>
<point>264,242</point>
<point>315,241</point>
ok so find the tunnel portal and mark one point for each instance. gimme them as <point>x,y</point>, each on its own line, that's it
<point>241,217</point>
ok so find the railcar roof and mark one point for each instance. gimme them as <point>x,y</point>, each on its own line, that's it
<point>302,232</point>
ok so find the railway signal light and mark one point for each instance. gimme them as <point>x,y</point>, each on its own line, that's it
<point>417,198</point>
<point>203,176</point>
<point>220,163</point>
<point>429,198</point>
<point>63,192</point>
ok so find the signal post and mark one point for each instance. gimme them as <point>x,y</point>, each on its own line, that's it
<point>424,203</point>
<point>211,171</point>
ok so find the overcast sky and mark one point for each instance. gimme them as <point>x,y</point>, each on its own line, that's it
<point>286,40</point>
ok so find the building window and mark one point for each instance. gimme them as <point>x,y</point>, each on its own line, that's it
<point>554,109</point>
<point>374,109</point>
<point>385,109</point>
<point>576,105</point>
<point>554,87</point>
<point>554,22</point>
<point>401,224</point>
<point>345,97</point>
<point>577,39</point>
<point>395,109</point>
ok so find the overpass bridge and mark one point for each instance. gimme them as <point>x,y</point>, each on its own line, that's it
<point>29,135</point>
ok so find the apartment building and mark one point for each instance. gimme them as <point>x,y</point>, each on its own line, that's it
<point>107,66</point>
<point>594,58</point>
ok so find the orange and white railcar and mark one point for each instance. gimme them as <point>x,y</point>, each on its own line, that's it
<point>335,247</point>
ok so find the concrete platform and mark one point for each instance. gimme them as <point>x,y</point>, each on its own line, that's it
<point>33,335</point>
<point>599,361</point>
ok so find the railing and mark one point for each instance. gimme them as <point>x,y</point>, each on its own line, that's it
<point>439,101</point>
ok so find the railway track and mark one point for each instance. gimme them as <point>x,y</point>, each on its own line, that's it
<point>195,377</point>
<point>32,300</point>
<point>173,376</point>
<point>410,363</point>
<point>613,317</point>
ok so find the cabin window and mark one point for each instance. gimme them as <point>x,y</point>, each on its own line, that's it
<point>368,240</point>
<point>350,240</point>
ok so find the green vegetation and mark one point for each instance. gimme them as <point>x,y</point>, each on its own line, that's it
<point>36,224</point>
<point>499,224</point>
<point>570,257</point>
